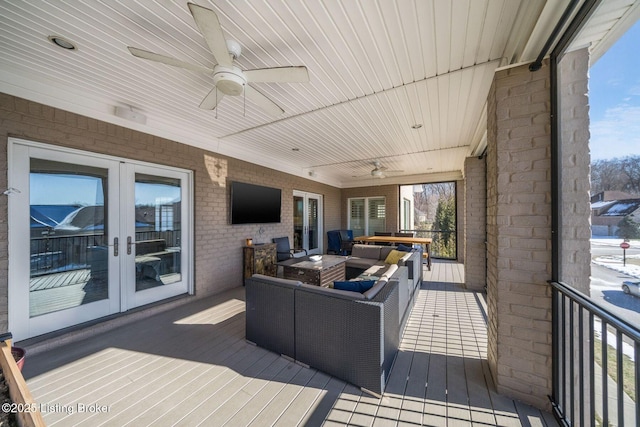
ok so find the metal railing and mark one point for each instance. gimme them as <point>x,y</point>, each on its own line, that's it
<point>52,254</point>
<point>443,245</point>
<point>595,363</point>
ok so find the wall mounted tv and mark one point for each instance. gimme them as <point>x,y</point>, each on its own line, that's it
<point>254,204</point>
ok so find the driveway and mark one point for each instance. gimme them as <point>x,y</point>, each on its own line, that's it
<point>606,281</point>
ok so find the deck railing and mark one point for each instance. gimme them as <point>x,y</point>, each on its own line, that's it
<point>52,254</point>
<point>443,246</point>
<point>595,363</point>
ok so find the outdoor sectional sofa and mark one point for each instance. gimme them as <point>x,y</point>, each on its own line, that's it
<point>349,335</point>
<point>364,257</point>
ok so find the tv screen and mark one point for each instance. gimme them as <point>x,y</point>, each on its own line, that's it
<point>254,204</point>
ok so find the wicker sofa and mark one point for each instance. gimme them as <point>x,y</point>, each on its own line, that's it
<point>364,257</point>
<point>346,334</point>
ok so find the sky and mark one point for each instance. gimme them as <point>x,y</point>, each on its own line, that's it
<point>52,189</point>
<point>614,99</point>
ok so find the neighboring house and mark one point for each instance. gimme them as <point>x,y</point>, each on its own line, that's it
<point>607,211</point>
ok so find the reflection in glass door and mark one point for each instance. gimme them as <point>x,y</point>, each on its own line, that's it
<point>298,221</point>
<point>313,225</point>
<point>69,236</point>
<point>307,221</point>
<point>154,234</point>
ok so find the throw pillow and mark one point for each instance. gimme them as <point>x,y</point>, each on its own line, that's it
<point>394,256</point>
<point>365,285</point>
<point>361,286</point>
<point>346,286</point>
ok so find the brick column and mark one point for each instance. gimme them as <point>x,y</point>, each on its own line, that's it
<point>475,215</point>
<point>575,247</point>
<point>519,234</point>
<point>460,221</point>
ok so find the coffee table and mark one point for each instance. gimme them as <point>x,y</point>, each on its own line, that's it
<point>320,273</point>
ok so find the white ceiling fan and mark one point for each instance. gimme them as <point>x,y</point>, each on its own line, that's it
<point>227,78</point>
<point>378,170</point>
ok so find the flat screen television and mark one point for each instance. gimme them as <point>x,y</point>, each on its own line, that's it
<point>254,204</point>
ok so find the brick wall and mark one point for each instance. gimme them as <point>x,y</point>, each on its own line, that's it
<point>460,221</point>
<point>519,233</point>
<point>575,248</point>
<point>218,254</point>
<point>475,220</point>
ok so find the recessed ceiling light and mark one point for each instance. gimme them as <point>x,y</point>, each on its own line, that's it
<point>416,126</point>
<point>295,149</point>
<point>62,42</point>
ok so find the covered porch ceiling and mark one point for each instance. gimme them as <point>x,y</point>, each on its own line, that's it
<point>402,83</point>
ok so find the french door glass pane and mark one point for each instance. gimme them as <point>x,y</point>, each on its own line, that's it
<point>69,235</point>
<point>313,223</point>
<point>298,222</point>
<point>158,231</point>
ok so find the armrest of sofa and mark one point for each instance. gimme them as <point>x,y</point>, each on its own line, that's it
<point>352,339</point>
<point>270,308</point>
<point>413,260</point>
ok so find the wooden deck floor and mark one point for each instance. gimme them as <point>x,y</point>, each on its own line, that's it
<point>191,366</point>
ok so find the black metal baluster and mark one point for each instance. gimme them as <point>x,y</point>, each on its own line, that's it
<point>564,355</point>
<point>581,363</point>
<point>592,370</point>
<point>620,375</point>
<point>605,389</point>
<point>636,355</point>
<point>571,384</point>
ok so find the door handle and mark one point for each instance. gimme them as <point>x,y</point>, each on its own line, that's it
<point>115,246</point>
<point>129,244</point>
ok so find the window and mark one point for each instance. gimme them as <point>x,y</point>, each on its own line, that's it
<point>367,215</point>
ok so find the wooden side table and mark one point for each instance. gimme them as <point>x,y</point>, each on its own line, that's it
<point>259,259</point>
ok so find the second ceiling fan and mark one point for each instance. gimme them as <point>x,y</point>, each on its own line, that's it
<point>228,79</point>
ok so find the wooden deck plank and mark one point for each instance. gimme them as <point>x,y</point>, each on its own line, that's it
<point>300,407</point>
<point>174,402</point>
<point>136,389</point>
<point>191,398</point>
<point>280,401</point>
<point>192,366</point>
<point>143,391</point>
<point>261,393</point>
<point>230,397</point>
<point>153,405</point>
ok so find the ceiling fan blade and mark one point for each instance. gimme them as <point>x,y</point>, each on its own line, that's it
<point>209,25</point>
<point>262,101</point>
<point>156,57</point>
<point>278,75</point>
<point>212,99</point>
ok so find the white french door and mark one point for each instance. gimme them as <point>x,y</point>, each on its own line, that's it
<point>92,235</point>
<point>307,221</point>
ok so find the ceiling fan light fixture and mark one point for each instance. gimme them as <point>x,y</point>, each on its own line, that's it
<point>62,42</point>
<point>229,80</point>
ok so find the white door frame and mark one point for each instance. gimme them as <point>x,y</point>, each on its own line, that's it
<point>122,273</point>
<point>305,220</point>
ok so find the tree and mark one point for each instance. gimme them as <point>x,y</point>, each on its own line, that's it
<point>628,229</point>
<point>618,174</point>
<point>630,167</point>
<point>445,223</point>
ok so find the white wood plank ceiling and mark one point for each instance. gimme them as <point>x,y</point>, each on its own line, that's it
<point>376,69</point>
